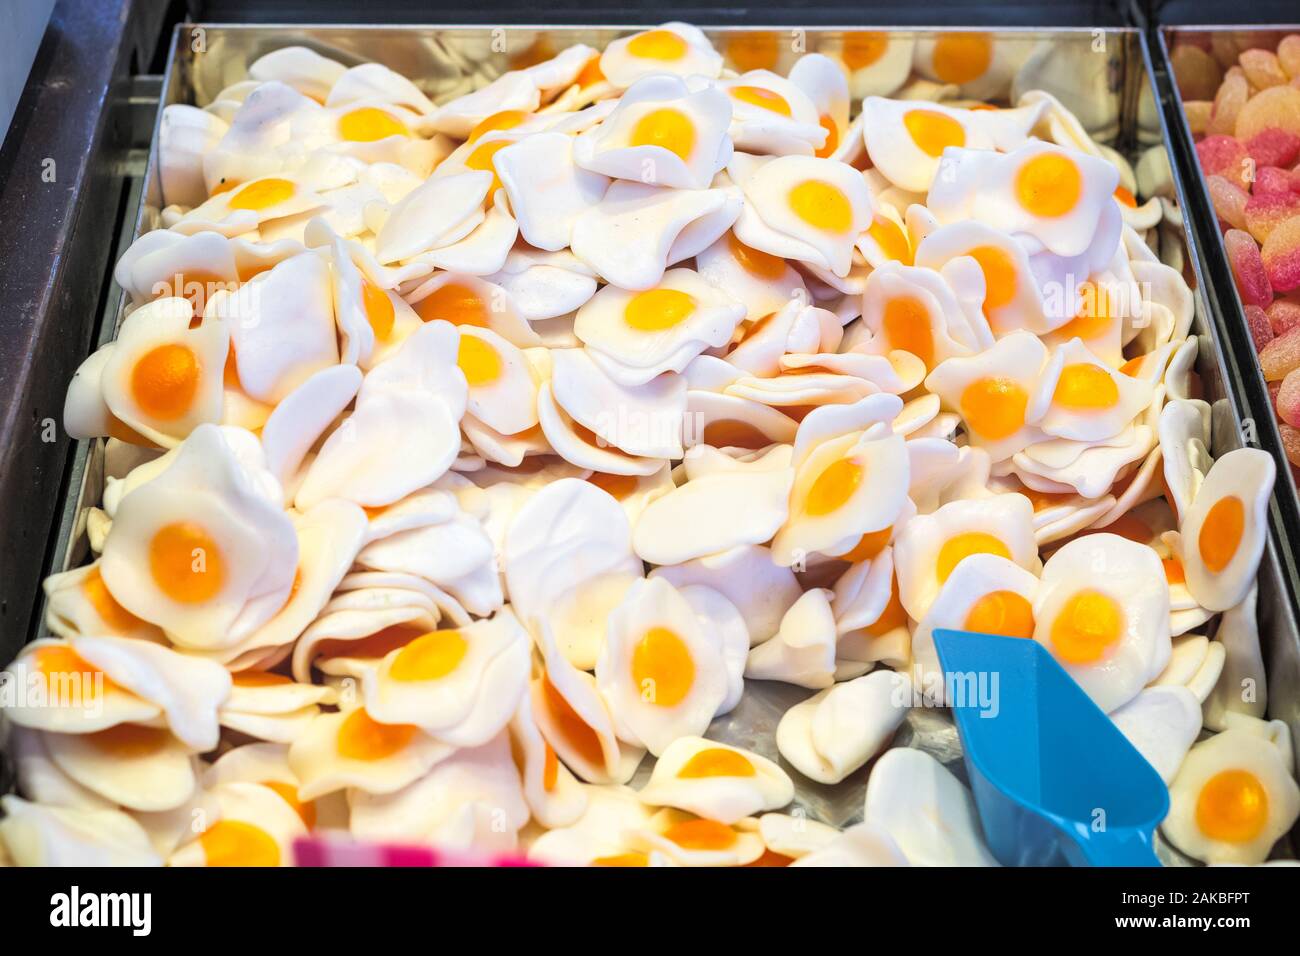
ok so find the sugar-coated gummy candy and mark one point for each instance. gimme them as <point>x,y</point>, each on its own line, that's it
<point>1229,201</point>
<point>1228,104</point>
<point>1291,444</point>
<point>1227,157</point>
<point>1226,47</point>
<point>1266,211</point>
<point>1288,55</point>
<point>1198,74</point>
<point>1198,115</point>
<point>1288,399</point>
<point>1247,268</point>
<point>1273,389</point>
<point>1277,107</point>
<point>1262,69</point>
<point>1261,329</point>
<point>1283,314</point>
<point>1273,179</point>
<point>1274,147</point>
<point>1281,255</point>
<point>1280,356</point>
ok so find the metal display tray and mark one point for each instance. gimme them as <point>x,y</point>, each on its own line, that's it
<point>447,61</point>
<point>1239,358</point>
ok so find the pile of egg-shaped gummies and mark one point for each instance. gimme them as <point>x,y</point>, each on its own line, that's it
<point>1248,143</point>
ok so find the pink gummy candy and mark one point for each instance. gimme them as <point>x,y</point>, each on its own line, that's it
<point>1274,179</point>
<point>1229,201</point>
<point>1273,389</point>
<point>1267,210</point>
<point>1281,255</point>
<point>1288,399</point>
<point>1261,330</point>
<point>1227,157</point>
<point>1280,356</point>
<point>1274,147</point>
<point>1291,444</point>
<point>1284,314</point>
<point>1247,268</point>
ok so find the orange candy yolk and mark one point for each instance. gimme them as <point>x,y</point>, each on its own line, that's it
<point>1085,387</point>
<point>616,486</point>
<point>832,488</point>
<point>962,57</point>
<point>58,662</point>
<point>657,45</point>
<point>506,119</point>
<point>994,408</point>
<point>932,131</point>
<point>716,762</point>
<point>1086,627</point>
<point>893,616</point>
<point>961,546</point>
<point>822,205</point>
<point>1221,532</point>
<point>236,843</point>
<point>262,194</point>
<point>754,51</point>
<point>667,128</point>
<point>480,362</point>
<point>832,136</point>
<point>591,73</point>
<point>658,309</point>
<point>430,656</point>
<point>869,545</point>
<point>1232,806</point>
<point>185,562</point>
<point>1049,185</point>
<point>763,98</point>
<point>289,794</point>
<point>1000,276</point>
<point>1001,612</point>
<point>380,313</point>
<point>761,265</point>
<point>454,303</point>
<point>1094,316</point>
<point>361,737</point>
<point>662,667</point>
<point>906,324</point>
<point>259,679</point>
<point>733,433</point>
<point>483,159</point>
<point>701,835</point>
<point>165,380</point>
<point>576,732</point>
<point>550,768</point>
<point>369,123</point>
<point>891,239</point>
<point>130,741</point>
<point>863,48</point>
<point>118,618</point>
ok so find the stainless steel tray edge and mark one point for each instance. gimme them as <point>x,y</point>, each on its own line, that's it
<point>1240,368</point>
<point>1278,614</point>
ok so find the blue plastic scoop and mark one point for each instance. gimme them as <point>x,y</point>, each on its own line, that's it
<point>1055,781</point>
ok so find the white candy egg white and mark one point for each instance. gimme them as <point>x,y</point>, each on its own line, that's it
<point>1223,530</point>
<point>662,675</point>
<point>801,207</point>
<point>1102,610</point>
<point>716,781</point>
<point>1232,799</point>
<point>836,731</point>
<point>926,810</point>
